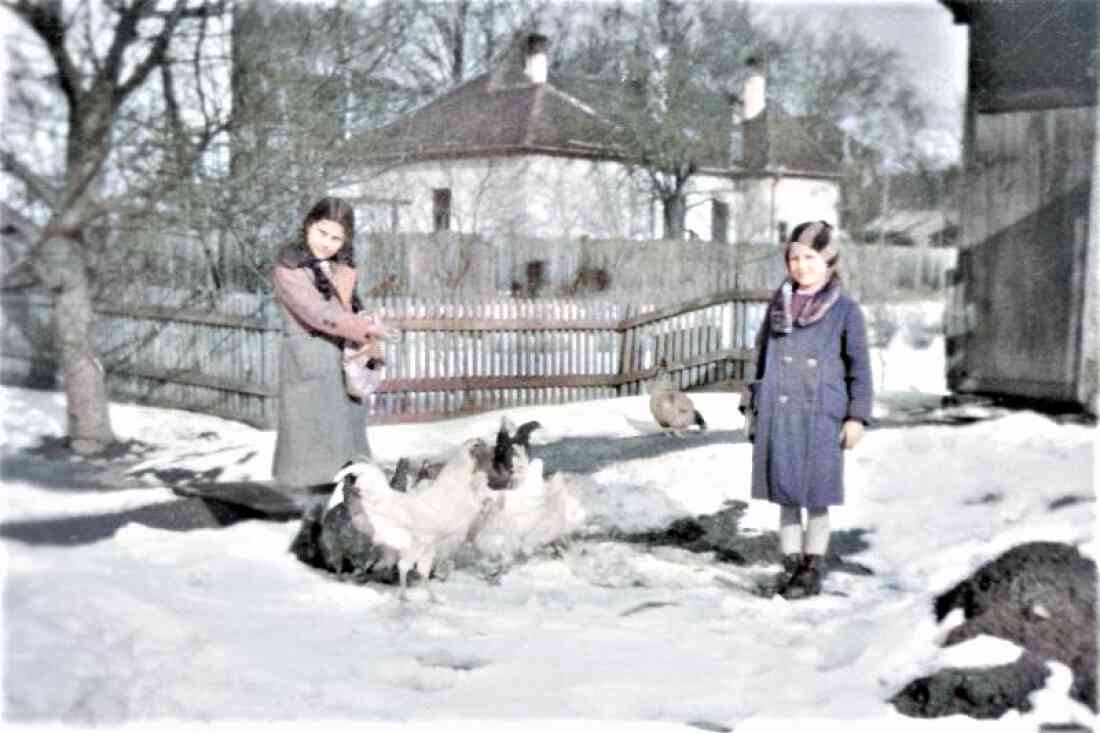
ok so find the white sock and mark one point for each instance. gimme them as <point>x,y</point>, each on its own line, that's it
<point>817,531</point>
<point>790,529</point>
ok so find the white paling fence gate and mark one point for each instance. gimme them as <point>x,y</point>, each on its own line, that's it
<point>450,359</point>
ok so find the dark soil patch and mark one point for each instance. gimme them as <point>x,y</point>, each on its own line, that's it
<point>1040,595</point>
<point>988,692</point>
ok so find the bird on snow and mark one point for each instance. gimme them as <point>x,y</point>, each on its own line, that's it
<point>672,409</point>
<point>536,513</point>
<point>428,524</point>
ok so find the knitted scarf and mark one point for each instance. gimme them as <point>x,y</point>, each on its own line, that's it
<point>781,319</point>
<point>298,255</point>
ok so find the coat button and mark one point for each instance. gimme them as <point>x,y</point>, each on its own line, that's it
<point>812,362</point>
<point>782,398</point>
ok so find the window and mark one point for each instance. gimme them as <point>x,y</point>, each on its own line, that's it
<point>719,221</point>
<point>441,209</point>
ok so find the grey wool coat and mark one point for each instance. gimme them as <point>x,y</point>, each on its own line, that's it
<point>807,383</point>
<point>320,427</point>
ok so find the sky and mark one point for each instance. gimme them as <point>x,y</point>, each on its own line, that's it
<point>151,626</point>
<point>932,48</point>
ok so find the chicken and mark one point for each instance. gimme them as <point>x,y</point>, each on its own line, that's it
<point>509,441</point>
<point>538,513</point>
<point>430,523</point>
<point>329,540</point>
<point>672,409</point>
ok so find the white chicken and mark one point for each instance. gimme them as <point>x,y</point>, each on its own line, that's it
<point>429,524</point>
<point>537,513</point>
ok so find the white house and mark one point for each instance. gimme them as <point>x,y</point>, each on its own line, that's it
<point>512,153</point>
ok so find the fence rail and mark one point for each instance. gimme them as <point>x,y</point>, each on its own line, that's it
<point>218,352</point>
<point>451,358</point>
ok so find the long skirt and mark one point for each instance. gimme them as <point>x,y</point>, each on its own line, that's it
<point>320,428</point>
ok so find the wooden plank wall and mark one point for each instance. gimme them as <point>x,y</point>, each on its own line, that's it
<point>667,272</point>
<point>1025,231</point>
<point>451,358</point>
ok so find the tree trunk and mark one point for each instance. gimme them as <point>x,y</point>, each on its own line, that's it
<point>63,271</point>
<point>675,211</point>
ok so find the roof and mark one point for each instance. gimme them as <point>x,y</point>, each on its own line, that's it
<point>489,113</point>
<point>503,112</point>
<point>807,143</point>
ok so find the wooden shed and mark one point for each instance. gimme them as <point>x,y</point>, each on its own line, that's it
<point>1022,317</point>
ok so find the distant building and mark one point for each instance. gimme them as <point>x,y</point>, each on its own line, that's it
<point>1022,321</point>
<point>512,152</point>
<point>914,228</point>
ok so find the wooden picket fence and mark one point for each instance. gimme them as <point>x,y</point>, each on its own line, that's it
<point>450,359</point>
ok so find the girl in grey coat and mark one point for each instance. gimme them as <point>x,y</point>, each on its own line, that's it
<point>320,426</point>
<point>810,399</point>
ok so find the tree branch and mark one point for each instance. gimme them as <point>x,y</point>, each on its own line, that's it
<point>45,19</point>
<point>36,185</point>
<point>128,25</point>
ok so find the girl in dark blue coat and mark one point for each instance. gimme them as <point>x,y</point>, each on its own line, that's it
<point>810,399</point>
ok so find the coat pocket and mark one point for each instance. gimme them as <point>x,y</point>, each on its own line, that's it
<point>834,401</point>
<point>309,359</point>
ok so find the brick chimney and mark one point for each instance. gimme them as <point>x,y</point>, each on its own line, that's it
<point>737,133</point>
<point>755,136</point>
<point>536,64</point>
<point>755,89</point>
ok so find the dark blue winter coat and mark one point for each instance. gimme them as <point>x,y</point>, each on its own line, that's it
<point>812,380</point>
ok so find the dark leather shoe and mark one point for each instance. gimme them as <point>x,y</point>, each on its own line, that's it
<point>807,580</point>
<point>791,565</point>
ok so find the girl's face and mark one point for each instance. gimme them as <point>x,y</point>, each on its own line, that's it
<point>325,238</point>
<point>806,266</point>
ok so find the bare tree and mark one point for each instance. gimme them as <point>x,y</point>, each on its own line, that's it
<point>306,81</point>
<point>839,80</point>
<point>668,68</point>
<point>102,56</point>
<point>458,39</point>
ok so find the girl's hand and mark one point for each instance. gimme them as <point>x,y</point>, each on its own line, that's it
<point>374,328</point>
<point>850,434</point>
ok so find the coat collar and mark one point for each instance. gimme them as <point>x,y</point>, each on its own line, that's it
<point>783,322</point>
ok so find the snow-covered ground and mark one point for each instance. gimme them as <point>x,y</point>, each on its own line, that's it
<point>224,626</point>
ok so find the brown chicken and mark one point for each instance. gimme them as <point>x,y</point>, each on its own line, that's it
<point>672,409</point>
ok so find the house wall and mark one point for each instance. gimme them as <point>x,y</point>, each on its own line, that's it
<point>551,197</point>
<point>760,206</point>
<point>533,196</point>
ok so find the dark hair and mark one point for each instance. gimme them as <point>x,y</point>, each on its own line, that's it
<point>298,254</point>
<point>822,239</point>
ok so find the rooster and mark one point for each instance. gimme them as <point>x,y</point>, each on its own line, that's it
<point>672,409</point>
<point>511,443</point>
<point>430,523</point>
